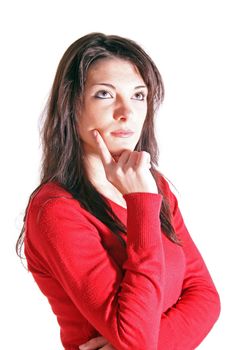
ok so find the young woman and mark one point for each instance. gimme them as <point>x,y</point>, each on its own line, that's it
<point>103,235</point>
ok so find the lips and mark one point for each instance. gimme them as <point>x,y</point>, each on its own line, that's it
<point>122,133</point>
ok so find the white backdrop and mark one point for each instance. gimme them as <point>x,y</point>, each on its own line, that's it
<point>191,42</point>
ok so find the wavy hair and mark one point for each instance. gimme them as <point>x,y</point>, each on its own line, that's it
<point>62,148</point>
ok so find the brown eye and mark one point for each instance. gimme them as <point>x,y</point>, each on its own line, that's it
<point>140,96</point>
<point>103,94</point>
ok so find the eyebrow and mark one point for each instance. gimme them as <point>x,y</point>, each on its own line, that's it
<point>113,87</point>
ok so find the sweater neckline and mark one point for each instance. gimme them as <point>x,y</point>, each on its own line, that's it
<point>115,204</point>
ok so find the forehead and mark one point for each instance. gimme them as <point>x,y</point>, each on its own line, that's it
<point>114,69</point>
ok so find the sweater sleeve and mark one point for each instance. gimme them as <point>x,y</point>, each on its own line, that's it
<point>120,306</point>
<point>187,323</point>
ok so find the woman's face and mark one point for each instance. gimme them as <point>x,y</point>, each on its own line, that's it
<point>115,98</point>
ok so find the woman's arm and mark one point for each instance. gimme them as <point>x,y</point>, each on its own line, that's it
<point>187,323</point>
<point>120,306</point>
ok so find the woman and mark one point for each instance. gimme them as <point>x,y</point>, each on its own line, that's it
<point>103,234</point>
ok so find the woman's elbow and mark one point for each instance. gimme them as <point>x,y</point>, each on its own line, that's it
<point>217,306</point>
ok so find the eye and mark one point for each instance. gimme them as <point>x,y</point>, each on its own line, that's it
<point>140,96</point>
<point>103,94</point>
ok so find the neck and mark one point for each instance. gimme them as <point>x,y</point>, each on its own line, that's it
<point>94,169</point>
<point>96,174</point>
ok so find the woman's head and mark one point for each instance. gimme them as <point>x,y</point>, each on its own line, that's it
<point>86,60</point>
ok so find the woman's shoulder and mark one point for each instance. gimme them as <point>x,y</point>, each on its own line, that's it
<point>165,188</point>
<point>46,193</point>
<point>51,201</point>
<point>50,190</point>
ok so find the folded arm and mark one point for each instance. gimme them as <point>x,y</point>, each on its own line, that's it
<point>187,322</point>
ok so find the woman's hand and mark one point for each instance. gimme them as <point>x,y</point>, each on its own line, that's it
<point>97,343</point>
<point>130,172</point>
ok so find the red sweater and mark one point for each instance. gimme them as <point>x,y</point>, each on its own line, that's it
<point>152,295</point>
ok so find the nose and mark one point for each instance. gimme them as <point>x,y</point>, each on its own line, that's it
<point>123,110</point>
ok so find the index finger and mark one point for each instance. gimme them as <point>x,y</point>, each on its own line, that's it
<point>103,149</point>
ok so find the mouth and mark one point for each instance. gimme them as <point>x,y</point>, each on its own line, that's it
<point>122,133</point>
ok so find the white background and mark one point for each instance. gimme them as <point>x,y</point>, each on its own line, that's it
<point>191,42</point>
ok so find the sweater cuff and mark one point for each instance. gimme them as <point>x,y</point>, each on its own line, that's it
<point>143,221</point>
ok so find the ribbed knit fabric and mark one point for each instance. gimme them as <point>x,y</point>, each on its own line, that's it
<point>151,295</point>
<point>139,209</point>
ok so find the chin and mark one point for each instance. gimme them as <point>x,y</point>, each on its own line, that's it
<point>123,144</point>
<point>117,153</point>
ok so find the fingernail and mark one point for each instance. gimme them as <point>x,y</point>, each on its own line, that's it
<point>82,347</point>
<point>95,133</point>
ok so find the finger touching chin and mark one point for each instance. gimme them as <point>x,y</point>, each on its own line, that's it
<point>116,157</point>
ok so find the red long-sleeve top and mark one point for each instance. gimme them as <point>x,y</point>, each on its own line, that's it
<point>151,295</point>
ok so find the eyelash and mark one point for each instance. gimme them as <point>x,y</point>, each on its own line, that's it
<point>142,94</point>
<point>101,91</point>
<point>103,98</point>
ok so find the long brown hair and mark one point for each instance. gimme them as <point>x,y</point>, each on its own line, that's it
<point>62,148</point>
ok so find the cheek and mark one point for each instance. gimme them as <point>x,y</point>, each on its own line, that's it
<point>144,109</point>
<point>142,116</point>
<point>87,120</point>
<point>95,114</point>
<point>141,110</point>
